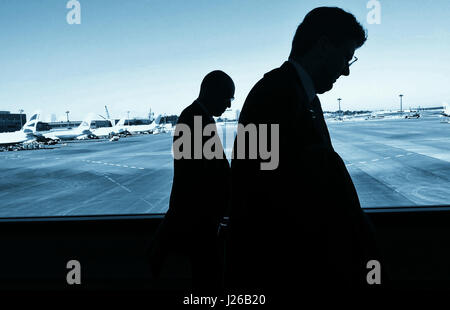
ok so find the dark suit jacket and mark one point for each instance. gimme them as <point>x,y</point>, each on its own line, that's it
<point>301,221</point>
<point>200,194</point>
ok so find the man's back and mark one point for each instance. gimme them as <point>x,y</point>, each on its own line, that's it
<point>199,185</point>
<point>200,194</point>
<point>285,222</point>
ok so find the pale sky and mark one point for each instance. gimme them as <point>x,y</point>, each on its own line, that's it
<point>142,54</point>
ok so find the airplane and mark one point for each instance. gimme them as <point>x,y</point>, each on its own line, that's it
<point>445,114</point>
<point>25,134</point>
<point>385,114</point>
<point>166,127</point>
<point>109,131</point>
<point>134,129</point>
<point>446,111</point>
<point>69,134</point>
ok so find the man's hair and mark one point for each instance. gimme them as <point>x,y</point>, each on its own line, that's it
<point>334,23</point>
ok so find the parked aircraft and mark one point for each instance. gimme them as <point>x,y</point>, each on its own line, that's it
<point>446,111</point>
<point>69,134</point>
<point>24,135</point>
<point>134,129</point>
<point>113,130</point>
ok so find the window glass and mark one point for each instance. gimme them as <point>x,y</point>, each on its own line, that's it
<point>137,64</point>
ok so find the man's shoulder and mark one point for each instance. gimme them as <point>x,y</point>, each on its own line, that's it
<point>191,109</point>
<point>194,113</point>
<point>189,112</point>
<point>283,76</point>
<point>277,84</point>
<point>276,91</point>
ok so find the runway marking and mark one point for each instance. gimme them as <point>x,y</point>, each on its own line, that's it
<point>125,188</point>
<point>111,164</point>
<point>150,204</point>
<point>377,159</point>
<point>425,150</point>
<point>82,160</point>
<point>117,183</point>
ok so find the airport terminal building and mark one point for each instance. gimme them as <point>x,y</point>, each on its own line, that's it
<point>11,122</point>
<point>97,123</point>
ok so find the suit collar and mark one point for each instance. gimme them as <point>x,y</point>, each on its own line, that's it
<point>305,79</point>
<point>290,72</point>
<point>204,110</point>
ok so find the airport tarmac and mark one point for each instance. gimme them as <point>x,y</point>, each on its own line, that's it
<point>396,162</point>
<point>129,176</point>
<point>393,162</point>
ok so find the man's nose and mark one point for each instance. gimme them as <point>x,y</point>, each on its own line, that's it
<point>346,71</point>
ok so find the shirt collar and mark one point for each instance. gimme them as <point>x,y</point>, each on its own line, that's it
<point>204,109</point>
<point>308,84</point>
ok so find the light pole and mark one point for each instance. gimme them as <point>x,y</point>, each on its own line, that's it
<point>339,100</point>
<point>225,129</point>
<point>20,112</point>
<point>128,118</point>
<point>67,112</point>
<point>401,110</point>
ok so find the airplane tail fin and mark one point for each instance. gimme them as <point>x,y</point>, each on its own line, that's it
<point>121,122</point>
<point>85,125</point>
<point>446,108</point>
<point>31,124</point>
<point>158,119</point>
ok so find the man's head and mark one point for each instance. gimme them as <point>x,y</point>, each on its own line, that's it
<point>324,44</point>
<point>216,92</point>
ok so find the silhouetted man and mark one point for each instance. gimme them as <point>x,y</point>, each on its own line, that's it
<point>300,225</point>
<point>201,185</point>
